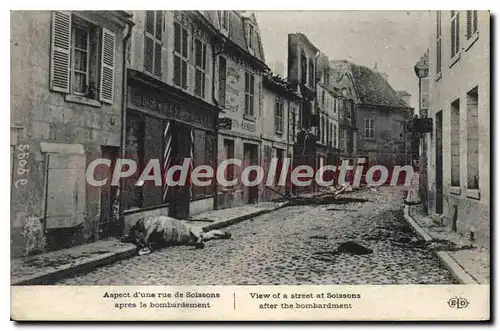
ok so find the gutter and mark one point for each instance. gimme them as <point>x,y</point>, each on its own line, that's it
<point>130,25</point>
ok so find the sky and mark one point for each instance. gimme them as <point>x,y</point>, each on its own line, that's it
<point>394,40</point>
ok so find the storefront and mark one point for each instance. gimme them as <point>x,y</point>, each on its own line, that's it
<point>166,125</point>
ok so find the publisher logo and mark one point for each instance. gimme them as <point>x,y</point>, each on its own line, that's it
<point>458,302</point>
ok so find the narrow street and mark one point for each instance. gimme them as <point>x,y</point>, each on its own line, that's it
<point>288,247</point>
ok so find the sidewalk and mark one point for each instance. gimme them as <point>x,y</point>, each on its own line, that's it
<point>46,268</point>
<point>468,263</point>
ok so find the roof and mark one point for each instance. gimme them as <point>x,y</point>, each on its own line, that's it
<point>236,33</point>
<point>305,40</point>
<point>372,88</point>
<point>279,84</point>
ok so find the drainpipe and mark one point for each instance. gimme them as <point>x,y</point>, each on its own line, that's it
<point>123,121</point>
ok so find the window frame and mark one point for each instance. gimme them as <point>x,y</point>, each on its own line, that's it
<point>156,41</point>
<point>455,36</point>
<point>251,33</point>
<point>249,110</point>
<point>439,44</point>
<point>223,16</point>
<point>86,27</point>
<point>279,115</point>
<point>184,32</point>
<point>370,128</point>
<point>202,68</point>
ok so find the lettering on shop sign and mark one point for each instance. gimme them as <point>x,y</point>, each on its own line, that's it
<point>22,165</point>
<point>244,125</point>
<point>172,109</point>
<point>233,81</point>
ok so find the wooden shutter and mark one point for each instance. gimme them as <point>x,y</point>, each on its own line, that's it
<point>107,66</point>
<point>158,44</point>
<point>60,52</point>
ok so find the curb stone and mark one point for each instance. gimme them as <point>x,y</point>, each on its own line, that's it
<point>444,257</point>
<point>53,275</point>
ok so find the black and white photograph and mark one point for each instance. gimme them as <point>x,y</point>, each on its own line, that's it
<point>249,148</point>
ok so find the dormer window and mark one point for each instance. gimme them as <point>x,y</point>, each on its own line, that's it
<point>251,33</point>
<point>223,20</point>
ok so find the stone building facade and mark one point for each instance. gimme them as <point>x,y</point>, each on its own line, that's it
<point>171,111</point>
<point>66,105</point>
<point>458,148</point>
<point>329,104</point>
<point>239,70</point>
<point>279,131</point>
<point>302,63</point>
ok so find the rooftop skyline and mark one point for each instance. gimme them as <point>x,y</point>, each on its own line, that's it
<point>392,40</point>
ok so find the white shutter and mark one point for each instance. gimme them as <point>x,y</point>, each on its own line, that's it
<point>60,52</point>
<point>107,66</point>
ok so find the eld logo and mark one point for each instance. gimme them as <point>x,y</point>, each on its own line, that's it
<point>458,303</point>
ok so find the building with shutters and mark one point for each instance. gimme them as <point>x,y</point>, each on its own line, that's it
<point>458,148</point>
<point>328,106</point>
<point>373,125</point>
<point>302,63</point>
<point>280,116</point>
<point>66,106</point>
<point>239,70</point>
<point>171,110</point>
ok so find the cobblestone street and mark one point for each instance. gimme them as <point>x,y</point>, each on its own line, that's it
<point>282,248</point>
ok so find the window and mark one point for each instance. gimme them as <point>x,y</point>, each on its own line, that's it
<point>369,128</point>
<point>251,34</point>
<point>335,101</point>
<point>311,74</point>
<point>180,55</point>
<point>438,42</point>
<point>82,58</point>
<point>471,23</point>
<point>80,42</point>
<point>323,98</point>
<point>347,108</point>
<point>200,64</point>
<point>328,133</point>
<point>249,94</point>
<point>153,42</point>
<point>455,33</point>
<point>322,129</point>
<point>455,143</point>
<point>334,136</point>
<point>223,19</point>
<point>472,140</point>
<point>222,81</point>
<point>303,68</point>
<point>279,118</point>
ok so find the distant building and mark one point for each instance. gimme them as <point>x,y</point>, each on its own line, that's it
<point>459,104</point>
<point>279,128</point>
<point>329,104</point>
<point>377,112</point>
<point>302,55</point>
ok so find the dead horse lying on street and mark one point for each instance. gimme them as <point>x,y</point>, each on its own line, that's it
<point>162,231</point>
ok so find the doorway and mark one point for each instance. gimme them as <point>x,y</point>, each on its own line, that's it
<point>439,162</point>
<point>251,157</point>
